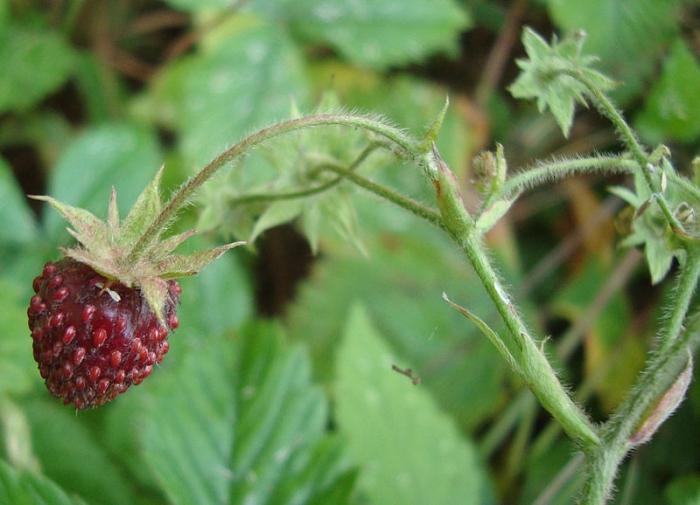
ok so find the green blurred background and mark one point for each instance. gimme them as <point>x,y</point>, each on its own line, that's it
<point>278,388</point>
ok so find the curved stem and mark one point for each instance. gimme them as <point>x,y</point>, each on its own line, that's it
<point>289,195</point>
<point>181,196</point>
<point>554,170</point>
<point>607,108</point>
<point>534,367</point>
<point>285,195</point>
<point>417,208</point>
<point>680,300</point>
<point>658,376</point>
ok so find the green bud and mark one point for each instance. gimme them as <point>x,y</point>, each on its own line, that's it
<point>489,171</point>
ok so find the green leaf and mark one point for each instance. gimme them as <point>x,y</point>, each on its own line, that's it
<point>117,154</point>
<point>242,78</point>
<point>200,5</point>
<point>25,488</point>
<point>224,288</point>
<point>16,440</point>
<point>541,470</point>
<point>389,422</point>
<point>380,33</point>
<point>627,35</point>
<point>540,77</point>
<point>608,337</point>
<point>684,490</point>
<point>277,213</point>
<point>72,456</point>
<point>19,371</point>
<point>34,61</point>
<point>17,223</point>
<point>409,311</point>
<point>254,422</point>
<point>672,109</point>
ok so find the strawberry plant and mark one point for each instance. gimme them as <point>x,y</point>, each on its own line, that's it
<point>414,363</point>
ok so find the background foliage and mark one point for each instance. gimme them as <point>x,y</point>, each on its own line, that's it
<point>279,388</point>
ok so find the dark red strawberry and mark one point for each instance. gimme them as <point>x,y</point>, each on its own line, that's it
<point>93,338</point>
<point>100,317</point>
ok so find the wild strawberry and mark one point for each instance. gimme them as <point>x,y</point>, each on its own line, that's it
<point>94,338</point>
<point>100,317</point>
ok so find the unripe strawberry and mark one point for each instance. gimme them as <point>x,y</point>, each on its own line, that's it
<point>93,338</point>
<point>100,317</point>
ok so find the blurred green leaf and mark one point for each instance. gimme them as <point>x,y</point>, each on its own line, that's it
<point>245,76</point>
<point>253,421</point>
<point>17,223</point>
<point>627,35</point>
<point>410,452</point>
<point>683,490</point>
<point>223,288</point>
<point>672,109</point>
<point>16,440</point>
<point>201,5</point>
<point>401,284</point>
<point>374,92</point>
<point>277,213</point>
<point>542,470</point>
<point>25,488</point>
<point>18,371</point>
<point>379,33</point>
<point>71,456</point>
<point>608,338</point>
<point>34,61</point>
<point>121,155</point>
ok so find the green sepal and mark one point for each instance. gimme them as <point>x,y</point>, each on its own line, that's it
<point>144,211</point>
<point>544,76</point>
<point>105,245</point>
<point>431,135</point>
<point>179,265</point>
<point>105,265</point>
<point>155,291</point>
<point>113,216</point>
<point>161,249</point>
<point>87,229</point>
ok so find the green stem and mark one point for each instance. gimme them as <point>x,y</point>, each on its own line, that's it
<point>554,170</point>
<point>285,195</point>
<point>182,195</point>
<point>534,367</point>
<point>417,208</point>
<point>607,108</point>
<point>290,195</point>
<point>680,300</point>
<point>658,376</point>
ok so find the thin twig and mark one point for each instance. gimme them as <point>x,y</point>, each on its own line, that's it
<point>500,52</point>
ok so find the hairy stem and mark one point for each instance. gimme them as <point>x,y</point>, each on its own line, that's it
<point>534,367</point>
<point>659,374</point>
<point>417,208</point>
<point>608,109</point>
<point>181,196</point>
<point>290,195</point>
<point>554,170</point>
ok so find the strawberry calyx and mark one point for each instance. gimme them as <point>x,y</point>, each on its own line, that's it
<point>106,245</point>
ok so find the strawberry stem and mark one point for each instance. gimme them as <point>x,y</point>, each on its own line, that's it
<point>405,143</point>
